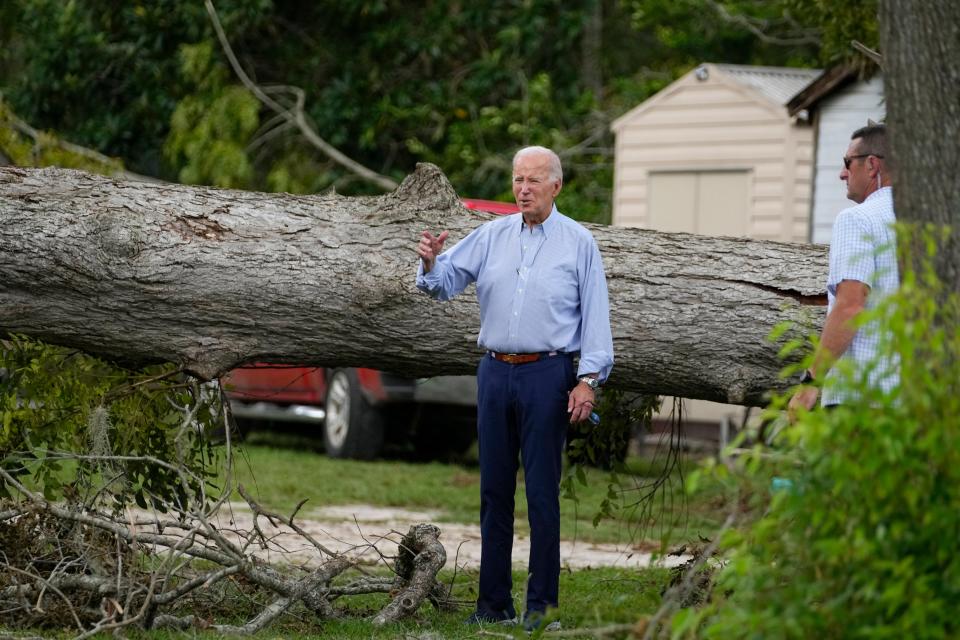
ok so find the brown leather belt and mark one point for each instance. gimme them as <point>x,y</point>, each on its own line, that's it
<point>521,358</point>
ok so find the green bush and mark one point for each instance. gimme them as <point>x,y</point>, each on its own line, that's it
<point>863,542</point>
<point>605,445</point>
<point>75,427</point>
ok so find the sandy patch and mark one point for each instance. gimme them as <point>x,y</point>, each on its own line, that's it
<point>368,532</point>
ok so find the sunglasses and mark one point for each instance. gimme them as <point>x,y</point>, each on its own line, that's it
<point>847,160</point>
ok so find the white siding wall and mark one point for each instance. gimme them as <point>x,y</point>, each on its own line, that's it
<point>840,115</point>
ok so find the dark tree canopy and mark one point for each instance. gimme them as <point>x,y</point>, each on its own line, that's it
<point>460,85</point>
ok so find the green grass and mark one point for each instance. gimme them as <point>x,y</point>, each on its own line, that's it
<point>588,599</point>
<point>282,471</point>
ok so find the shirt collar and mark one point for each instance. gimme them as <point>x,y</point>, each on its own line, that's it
<point>878,192</point>
<point>547,225</point>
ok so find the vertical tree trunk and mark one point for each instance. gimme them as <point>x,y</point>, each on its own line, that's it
<point>591,74</point>
<point>920,41</point>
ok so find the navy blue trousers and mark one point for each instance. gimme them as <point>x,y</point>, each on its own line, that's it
<point>521,409</point>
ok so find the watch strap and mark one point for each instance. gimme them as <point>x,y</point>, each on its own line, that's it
<point>593,383</point>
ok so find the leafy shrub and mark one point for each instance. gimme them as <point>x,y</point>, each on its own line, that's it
<point>210,129</point>
<point>863,543</point>
<point>72,425</point>
<point>605,445</point>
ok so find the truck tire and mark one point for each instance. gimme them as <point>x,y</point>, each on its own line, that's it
<point>352,428</point>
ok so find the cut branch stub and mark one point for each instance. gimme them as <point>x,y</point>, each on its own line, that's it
<point>420,559</point>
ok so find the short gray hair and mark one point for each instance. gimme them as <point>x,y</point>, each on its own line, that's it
<point>556,171</point>
<point>873,140</point>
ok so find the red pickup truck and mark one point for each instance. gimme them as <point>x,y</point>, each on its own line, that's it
<point>359,410</point>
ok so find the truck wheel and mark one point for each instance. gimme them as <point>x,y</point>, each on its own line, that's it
<point>352,427</point>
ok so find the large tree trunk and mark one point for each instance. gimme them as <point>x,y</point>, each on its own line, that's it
<point>210,278</point>
<point>921,48</point>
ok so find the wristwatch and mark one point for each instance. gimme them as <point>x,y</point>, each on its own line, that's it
<point>593,383</point>
<point>807,377</point>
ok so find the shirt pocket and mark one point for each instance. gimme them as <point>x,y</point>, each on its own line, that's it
<point>561,288</point>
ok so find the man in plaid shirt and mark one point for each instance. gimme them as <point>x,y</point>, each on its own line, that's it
<point>863,270</point>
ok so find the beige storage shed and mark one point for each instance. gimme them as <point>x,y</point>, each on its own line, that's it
<point>717,153</point>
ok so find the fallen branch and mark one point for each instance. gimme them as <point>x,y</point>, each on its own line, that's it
<point>260,511</point>
<point>75,554</point>
<point>681,592</point>
<point>421,557</point>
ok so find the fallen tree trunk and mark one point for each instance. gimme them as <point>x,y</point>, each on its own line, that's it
<point>211,278</point>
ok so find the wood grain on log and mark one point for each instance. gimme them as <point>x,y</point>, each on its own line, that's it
<point>212,278</point>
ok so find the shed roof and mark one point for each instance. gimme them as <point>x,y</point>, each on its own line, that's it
<point>778,84</point>
<point>773,86</point>
<point>828,83</point>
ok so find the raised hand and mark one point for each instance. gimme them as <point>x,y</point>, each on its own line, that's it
<point>430,247</point>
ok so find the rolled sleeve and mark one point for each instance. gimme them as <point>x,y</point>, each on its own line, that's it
<point>429,283</point>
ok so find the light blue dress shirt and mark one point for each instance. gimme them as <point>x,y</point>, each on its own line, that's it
<point>539,290</point>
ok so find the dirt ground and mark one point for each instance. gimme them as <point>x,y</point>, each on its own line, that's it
<point>369,532</point>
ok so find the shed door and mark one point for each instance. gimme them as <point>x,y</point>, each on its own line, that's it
<point>712,203</point>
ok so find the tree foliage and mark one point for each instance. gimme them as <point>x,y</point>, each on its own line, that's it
<point>54,401</point>
<point>861,543</point>
<point>388,83</point>
<point>839,24</point>
<point>209,128</point>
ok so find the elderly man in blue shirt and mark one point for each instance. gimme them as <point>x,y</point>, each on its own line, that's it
<point>543,303</point>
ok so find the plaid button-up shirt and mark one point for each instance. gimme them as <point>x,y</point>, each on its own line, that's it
<point>863,248</point>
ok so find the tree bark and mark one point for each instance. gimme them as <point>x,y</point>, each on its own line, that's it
<point>212,278</point>
<point>921,46</point>
<point>420,558</point>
